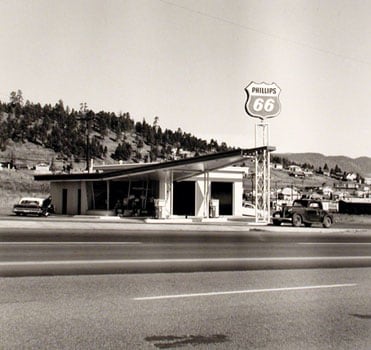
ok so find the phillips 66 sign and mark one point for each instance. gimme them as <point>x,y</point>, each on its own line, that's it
<point>262,100</point>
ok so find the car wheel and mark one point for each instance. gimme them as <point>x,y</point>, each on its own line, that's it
<point>296,220</point>
<point>326,222</point>
<point>276,222</point>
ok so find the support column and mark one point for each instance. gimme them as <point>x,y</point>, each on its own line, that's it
<point>108,194</point>
<point>262,175</point>
<point>206,195</point>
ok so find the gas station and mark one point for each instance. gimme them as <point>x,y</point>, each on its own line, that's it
<point>199,187</point>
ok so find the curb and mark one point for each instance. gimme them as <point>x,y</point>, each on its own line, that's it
<point>97,223</point>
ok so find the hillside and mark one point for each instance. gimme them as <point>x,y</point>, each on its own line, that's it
<point>360,165</point>
<point>31,133</point>
<point>104,136</point>
<point>280,179</point>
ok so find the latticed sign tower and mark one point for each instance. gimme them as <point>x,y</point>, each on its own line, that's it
<point>262,103</point>
<point>262,175</point>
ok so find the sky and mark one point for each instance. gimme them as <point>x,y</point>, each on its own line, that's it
<point>188,62</point>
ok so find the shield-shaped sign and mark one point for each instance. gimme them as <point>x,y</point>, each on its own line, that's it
<point>262,100</point>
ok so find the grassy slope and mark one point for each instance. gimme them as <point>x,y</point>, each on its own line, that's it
<point>281,179</point>
<point>31,154</point>
<point>27,153</point>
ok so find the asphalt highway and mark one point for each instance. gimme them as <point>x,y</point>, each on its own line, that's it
<point>93,284</point>
<point>270,309</point>
<point>31,247</point>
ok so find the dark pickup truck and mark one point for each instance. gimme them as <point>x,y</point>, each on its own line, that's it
<point>303,211</point>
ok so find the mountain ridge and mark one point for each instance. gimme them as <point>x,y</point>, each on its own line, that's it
<point>360,165</point>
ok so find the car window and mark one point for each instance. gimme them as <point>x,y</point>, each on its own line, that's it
<point>29,202</point>
<point>314,205</point>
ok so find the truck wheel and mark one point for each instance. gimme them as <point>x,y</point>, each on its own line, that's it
<point>276,222</point>
<point>296,220</point>
<point>326,222</point>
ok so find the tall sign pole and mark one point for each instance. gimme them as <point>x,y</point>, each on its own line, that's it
<point>262,103</point>
<point>86,118</point>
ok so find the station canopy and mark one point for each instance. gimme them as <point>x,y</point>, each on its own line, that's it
<point>181,169</point>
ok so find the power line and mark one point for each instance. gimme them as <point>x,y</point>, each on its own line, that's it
<point>268,34</point>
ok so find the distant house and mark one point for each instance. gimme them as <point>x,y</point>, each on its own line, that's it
<point>6,165</point>
<point>277,166</point>
<point>308,172</point>
<point>288,194</point>
<point>346,185</point>
<point>368,179</point>
<point>42,168</point>
<point>340,195</point>
<point>326,173</point>
<point>296,170</point>
<point>327,192</point>
<point>351,177</point>
<point>21,165</point>
<point>185,154</point>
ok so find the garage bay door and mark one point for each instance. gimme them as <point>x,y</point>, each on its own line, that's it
<point>224,192</point>
<point>184,198</point>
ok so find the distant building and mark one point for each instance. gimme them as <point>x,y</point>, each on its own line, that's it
<point>42,168</point>
<point>288,194</point>
<point>367,179</point>
<point>6,165</point>
<point>277,166</point>
<point>351,177</point>
<point>346,186</point>
<point>21,165</point>
<point>296,170</point>
<point>327,192</point>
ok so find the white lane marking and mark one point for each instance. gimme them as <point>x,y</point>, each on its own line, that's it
<point>285,289</point>
<point>333,243</point>
<point>211,260</point>
<point>69,243</point>
<point>137,243</point>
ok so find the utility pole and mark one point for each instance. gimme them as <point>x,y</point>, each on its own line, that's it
<point>86,118</point>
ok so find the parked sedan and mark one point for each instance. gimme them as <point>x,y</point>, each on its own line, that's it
<point>34,206</point>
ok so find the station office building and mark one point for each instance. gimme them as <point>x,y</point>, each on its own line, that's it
<point>171,189</point>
